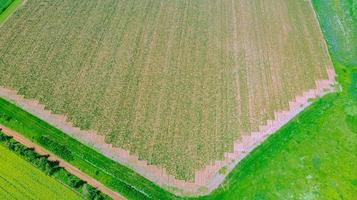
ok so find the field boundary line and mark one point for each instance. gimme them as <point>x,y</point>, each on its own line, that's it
<point>320,30</point>
<point>206,179</point>
<point>210,176</point>
<point>70,168</point>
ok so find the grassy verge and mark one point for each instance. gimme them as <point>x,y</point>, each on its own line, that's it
<point>51,168</point>
<point>313,156</point>
<point>20,180</point>
<point>308,156</point>
<point>9,10</point>
<point>115,176</point>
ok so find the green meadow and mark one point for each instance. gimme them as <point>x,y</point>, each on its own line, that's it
<point>314,156</point>
<point>20,180</point>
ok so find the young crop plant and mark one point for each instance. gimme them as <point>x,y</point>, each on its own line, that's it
<point>179,91</point>
<point>51,168</point>
<point>20,180</point>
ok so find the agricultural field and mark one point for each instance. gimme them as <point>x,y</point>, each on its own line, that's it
<point>20,180</point>
<point>174,82</point>
<point>115,176</point>
<point>315,155</point>
<point>312,157</point>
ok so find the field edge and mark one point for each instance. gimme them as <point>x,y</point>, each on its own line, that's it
<point>207,179</point>
<point>61,163</point>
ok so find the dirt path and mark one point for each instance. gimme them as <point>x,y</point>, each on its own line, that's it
<point>71,169</point>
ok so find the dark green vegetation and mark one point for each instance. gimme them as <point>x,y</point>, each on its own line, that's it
<point>56,148</point>
<point>314,156</point>
<point>51,168</point>
<point>115,176</point>
<point>21,180</point>
<point>4,4</point>
<point>7,7</point>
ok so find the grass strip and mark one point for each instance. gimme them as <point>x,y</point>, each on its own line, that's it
<point>9,10</point>
<point>310,157</point>
<point>20,179</point>
<point>314,155</point>
<point>51,168</point>
<point>115,176</point>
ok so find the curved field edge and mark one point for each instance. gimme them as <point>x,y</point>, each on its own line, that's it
<point>216,183</point>
<point>333,116</point>
<point>21,180</point>
<point>241,148</point>
<point>295,133</point>
<point>175,104</point>
<point>9,10</point>
<point>314,155</point>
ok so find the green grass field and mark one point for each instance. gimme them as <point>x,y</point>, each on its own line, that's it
<point>312,157</point>
<point>338,19</point>
<point>315,155</point>
<point>21,180</point>
<point>115,176</point>
<point>175,82</point>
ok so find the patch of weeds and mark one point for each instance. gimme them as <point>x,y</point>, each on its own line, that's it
<point>223,170</point>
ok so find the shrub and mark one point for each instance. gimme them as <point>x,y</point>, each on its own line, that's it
<point>75,182</point>
<point>48,166</point>
<point>56,148</point>
<point>92,193</point>
<point>4,137</point>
